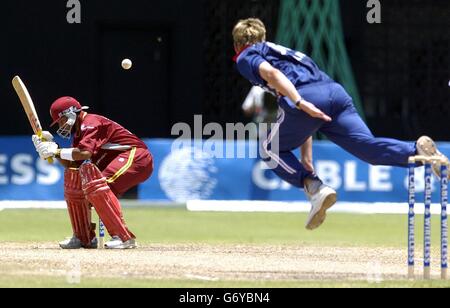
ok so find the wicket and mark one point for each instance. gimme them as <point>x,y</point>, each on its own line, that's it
<point>101,234</point>
<point>427,222</point>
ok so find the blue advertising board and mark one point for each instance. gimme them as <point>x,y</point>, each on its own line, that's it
<point>24,176</point>
<point>195,172</point>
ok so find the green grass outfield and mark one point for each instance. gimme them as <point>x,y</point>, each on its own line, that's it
<point>166,226</point>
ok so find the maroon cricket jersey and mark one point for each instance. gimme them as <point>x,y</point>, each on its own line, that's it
<point>97,132</point>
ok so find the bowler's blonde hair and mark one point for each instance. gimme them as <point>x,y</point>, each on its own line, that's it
<point>248,32</point>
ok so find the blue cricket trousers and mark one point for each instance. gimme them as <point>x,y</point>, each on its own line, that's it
<point>347,130</point>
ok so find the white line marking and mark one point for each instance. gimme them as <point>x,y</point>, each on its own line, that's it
<point>203,278</point>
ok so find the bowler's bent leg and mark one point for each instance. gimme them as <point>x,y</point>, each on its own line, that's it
<point>287,135</point>
<point>284,138</point>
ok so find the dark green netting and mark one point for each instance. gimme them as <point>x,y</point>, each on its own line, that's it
<point>314,27</point>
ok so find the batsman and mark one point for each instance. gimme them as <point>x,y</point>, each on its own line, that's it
<point>104,162</point>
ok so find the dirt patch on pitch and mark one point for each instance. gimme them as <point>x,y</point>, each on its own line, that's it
<point>207,262</point>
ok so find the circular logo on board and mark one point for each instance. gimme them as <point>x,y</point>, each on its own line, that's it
<point>188,174</point>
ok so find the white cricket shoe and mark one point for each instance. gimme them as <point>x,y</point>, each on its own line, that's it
<point>321,201</point>
<point>427,147</point>
<point>117,243</point>
<point>75,243</point>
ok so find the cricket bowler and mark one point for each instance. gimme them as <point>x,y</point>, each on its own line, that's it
<point>105,161</point>
<point>310,101</point>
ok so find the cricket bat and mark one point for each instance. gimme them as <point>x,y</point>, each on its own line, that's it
<point>28,106</point>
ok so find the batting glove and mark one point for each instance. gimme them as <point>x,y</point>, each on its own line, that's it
<point>46,136</point>
<point>47,150</point>
<point>36,141</point>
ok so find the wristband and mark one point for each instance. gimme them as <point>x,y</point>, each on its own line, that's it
<point>298,104</point>
<point>66,154</point>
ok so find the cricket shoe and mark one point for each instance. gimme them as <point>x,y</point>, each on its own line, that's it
<point>117,243</point>
<point>427,147</point>
<point>75,243</point>
<point>321,201</point>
